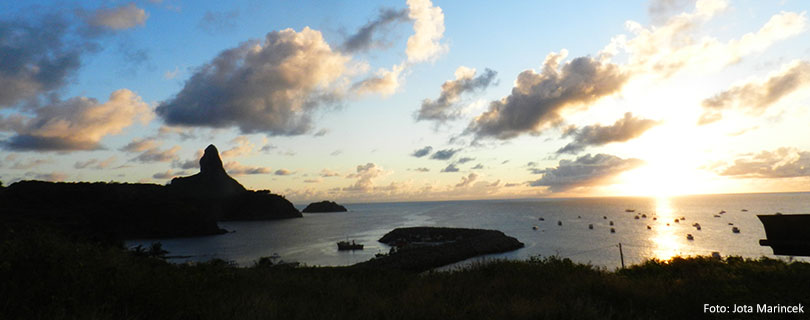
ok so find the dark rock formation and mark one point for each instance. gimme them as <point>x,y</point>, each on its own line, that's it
<point>324,206</point>
<point>228,198</point>
<point>211,181</point>
<point>424,248</point>
<point>188,206</point>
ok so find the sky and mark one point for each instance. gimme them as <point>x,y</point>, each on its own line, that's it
<point>364,101</point>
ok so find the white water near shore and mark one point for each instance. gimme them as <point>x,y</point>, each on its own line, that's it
<point>311,239</point>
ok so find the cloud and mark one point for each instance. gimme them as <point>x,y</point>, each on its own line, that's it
<point>365,176</point>
<point>38,57</point>
<point>478,167</point>
<point>150,151</point>
<point>538,98</point>
<point>364,39</point>
<point>30,164</point>
<point>271,87</point>
<point>95,163</point>
<point>465,160</point>
<point>313,181</point>
<point>75,124</point>
<point>326,173</point>
<point>450,168</point>
<point>168,174</point>
<point>622,130</point>
<point>678,44</point>
<point>428,27</point>
<point>780,163</point>
<point>118,18</point>
<point>53,176</point>
<point>218,22</point>
<point>585,171</point>
<point>467,181</point>
<point>236,169</point>
<point>384,82</point>
<point>421,169</point>
<point>283,172</point>
<point>442,109</point>
<point>757,97</point>
<point>321,133</point>
<point>661,10</point>
<point>243,147</point>
<point>422,152</point>
<point>444,154</point>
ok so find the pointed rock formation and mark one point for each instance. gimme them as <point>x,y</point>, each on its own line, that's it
<point>212,181</point>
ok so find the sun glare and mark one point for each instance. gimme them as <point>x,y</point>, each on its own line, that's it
<point>665,240</point>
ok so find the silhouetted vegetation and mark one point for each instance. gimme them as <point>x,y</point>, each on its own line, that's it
<point>46,274</point>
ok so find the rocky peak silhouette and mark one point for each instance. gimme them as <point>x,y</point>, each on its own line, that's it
<point>211,181</point>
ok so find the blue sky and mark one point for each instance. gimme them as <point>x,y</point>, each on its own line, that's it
<point>524,99</point>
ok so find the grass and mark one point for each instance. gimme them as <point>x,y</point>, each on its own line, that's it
<point>47,275</point>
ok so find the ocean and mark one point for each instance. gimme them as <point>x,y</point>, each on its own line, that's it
<point>311,240</point>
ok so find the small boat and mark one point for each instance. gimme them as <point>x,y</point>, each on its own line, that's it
<point>636,217</point>
<point>731,224</point>
<point>611,222</point>
<point>542,219</point>
<point>717,216</point>
<point>683,218</point>
<point>590,226</point>
<point>722,211</point>
<point>612,230</point>
<point>346,245</point>
<point>649,228</point>
<point>644,216</point>
<point>534,228</point>
<point>744,210</point>
<point>698,228</point>
<point>735,230</point>
<point>629,210</point>
<point>655,218</point>
<point>579,217</point>
<point>559,223</point>
<point>604,217</point>
<point>677,221</point>
<point>690,237</point>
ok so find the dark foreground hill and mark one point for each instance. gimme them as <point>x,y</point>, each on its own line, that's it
<point>45,276</point>
<point>324,206</point>
<point>188,206</point>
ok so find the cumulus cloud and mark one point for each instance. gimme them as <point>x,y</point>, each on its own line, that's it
<point>442,109</point>
<point>237,169</point>
<point>384,82</point>
<point>95,163</point>
<point>757,97</point>
<point>450,168</point>
<point>150,151</point>
<point>118,18</point>
<point>585,171</point>
<point>467,181</point>
<point>75,124</point>
<point>661,10</point>
<point>780,163</point>
<point>364,39</point>
<point>422,152</point>
<point>465,160</point>
<point>538,98</point>
<point>622,130</point>
<point>19,165</point>
<point>365,175</point>
<point>38,57</point>
<point>428,27</point>
<point>329,173</point>
<point>444,154</point>
<point>272,86</point>
<point>677,44</point>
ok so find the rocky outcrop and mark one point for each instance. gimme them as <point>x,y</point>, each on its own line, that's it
<point>324,206</point>
<point>228,199</point>
<point>424,248</point>
<point>211,181</point>
<point>188,206</point>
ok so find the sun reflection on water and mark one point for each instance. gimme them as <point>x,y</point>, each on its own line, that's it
<point>664,238</point>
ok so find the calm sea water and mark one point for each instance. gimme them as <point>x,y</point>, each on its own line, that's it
<point>311,239</point>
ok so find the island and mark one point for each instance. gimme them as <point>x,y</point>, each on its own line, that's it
<point>324,206</point>
<point>424,248</point>
<point>188,206</point>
